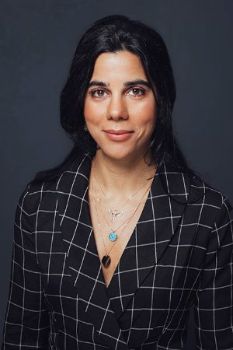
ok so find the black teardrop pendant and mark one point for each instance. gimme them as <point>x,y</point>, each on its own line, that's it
<point>106,260</point>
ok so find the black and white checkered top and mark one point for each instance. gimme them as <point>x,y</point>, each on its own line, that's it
<point>180,255</point>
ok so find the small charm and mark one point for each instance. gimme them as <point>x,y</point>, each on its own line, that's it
<point>114,213</point>
<point>112,236</point>
<point>106,260</point>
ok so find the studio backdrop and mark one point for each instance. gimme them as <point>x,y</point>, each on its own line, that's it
<point>37,41</point>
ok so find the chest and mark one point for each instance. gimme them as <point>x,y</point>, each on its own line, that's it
<point>156,251</point>
<point>73,251</point>
<point>112,236</point>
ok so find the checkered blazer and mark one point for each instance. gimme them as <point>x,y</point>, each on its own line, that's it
<point>179,255</point>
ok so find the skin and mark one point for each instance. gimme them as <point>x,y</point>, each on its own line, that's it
<point>120,108</point>
<point>120,114</point>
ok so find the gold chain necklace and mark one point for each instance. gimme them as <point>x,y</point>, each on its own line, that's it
<point>115,213</point>
<point>112,235</point>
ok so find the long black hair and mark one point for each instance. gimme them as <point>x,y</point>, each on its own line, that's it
<point>112,34</point>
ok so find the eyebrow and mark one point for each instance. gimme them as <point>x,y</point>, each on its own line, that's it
<point>126,84</point>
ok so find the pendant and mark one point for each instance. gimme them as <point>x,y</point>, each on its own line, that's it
<point>115,213</point>
<point>112,236</point>
<point>106,260</point>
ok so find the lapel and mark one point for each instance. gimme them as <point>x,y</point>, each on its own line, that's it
<point>82,262</point>
<point>159,220</point>
<point>156,228</point>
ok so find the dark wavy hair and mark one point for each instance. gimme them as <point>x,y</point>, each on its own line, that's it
<point>112,34</point>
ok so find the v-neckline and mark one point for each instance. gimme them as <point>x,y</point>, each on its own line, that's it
<point>141,218</point>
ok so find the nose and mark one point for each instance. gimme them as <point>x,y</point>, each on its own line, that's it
<point>117,109</point>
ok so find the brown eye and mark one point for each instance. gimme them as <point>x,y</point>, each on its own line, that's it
<point>97,93</point>
<point>136,91</point>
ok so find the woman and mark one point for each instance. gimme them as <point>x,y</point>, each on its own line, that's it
<point>113,247</point>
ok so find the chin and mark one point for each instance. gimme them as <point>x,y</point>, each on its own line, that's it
<point>120,155</point>
<point>114,156</point>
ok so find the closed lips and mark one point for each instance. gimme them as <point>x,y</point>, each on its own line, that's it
<point>118,132</point>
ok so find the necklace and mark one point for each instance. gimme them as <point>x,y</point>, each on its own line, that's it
<point>112,235</point>
<point>116,213</point>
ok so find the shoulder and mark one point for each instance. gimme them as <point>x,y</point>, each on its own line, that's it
<point>188,187</point>
<point>43,194</point>
<point>208,194</point>
<point>215,208</point>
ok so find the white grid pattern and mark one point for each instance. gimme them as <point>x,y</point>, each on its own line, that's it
<point>179,255</point>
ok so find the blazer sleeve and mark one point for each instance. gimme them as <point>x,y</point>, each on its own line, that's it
<point>27,320</point>
<point>214,300</point>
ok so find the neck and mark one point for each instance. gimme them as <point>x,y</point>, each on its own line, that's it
<point>121,176</point>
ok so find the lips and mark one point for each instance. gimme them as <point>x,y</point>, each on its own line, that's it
<point>118,135</point>
<point>118,132</point>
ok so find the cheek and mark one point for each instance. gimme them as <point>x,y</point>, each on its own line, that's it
<point>93,113</point>
<point>87,110</point>
<point>145,115</point>
<point>146,107</point>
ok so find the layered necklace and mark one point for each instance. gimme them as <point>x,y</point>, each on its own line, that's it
<point>115,214</point>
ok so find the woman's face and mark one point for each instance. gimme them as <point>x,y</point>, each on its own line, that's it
<point>119,106</point>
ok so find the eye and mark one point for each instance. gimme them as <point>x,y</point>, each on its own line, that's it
<point>136,91</point>
<point>97,93</point>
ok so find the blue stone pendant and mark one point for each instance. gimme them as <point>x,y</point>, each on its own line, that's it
<point>112,236</point>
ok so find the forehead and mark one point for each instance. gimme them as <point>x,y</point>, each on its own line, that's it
<point>120,64</point>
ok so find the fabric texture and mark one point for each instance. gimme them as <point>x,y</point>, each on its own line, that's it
<point>180,255</point>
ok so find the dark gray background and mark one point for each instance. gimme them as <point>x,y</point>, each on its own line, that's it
<point>37,41</point>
